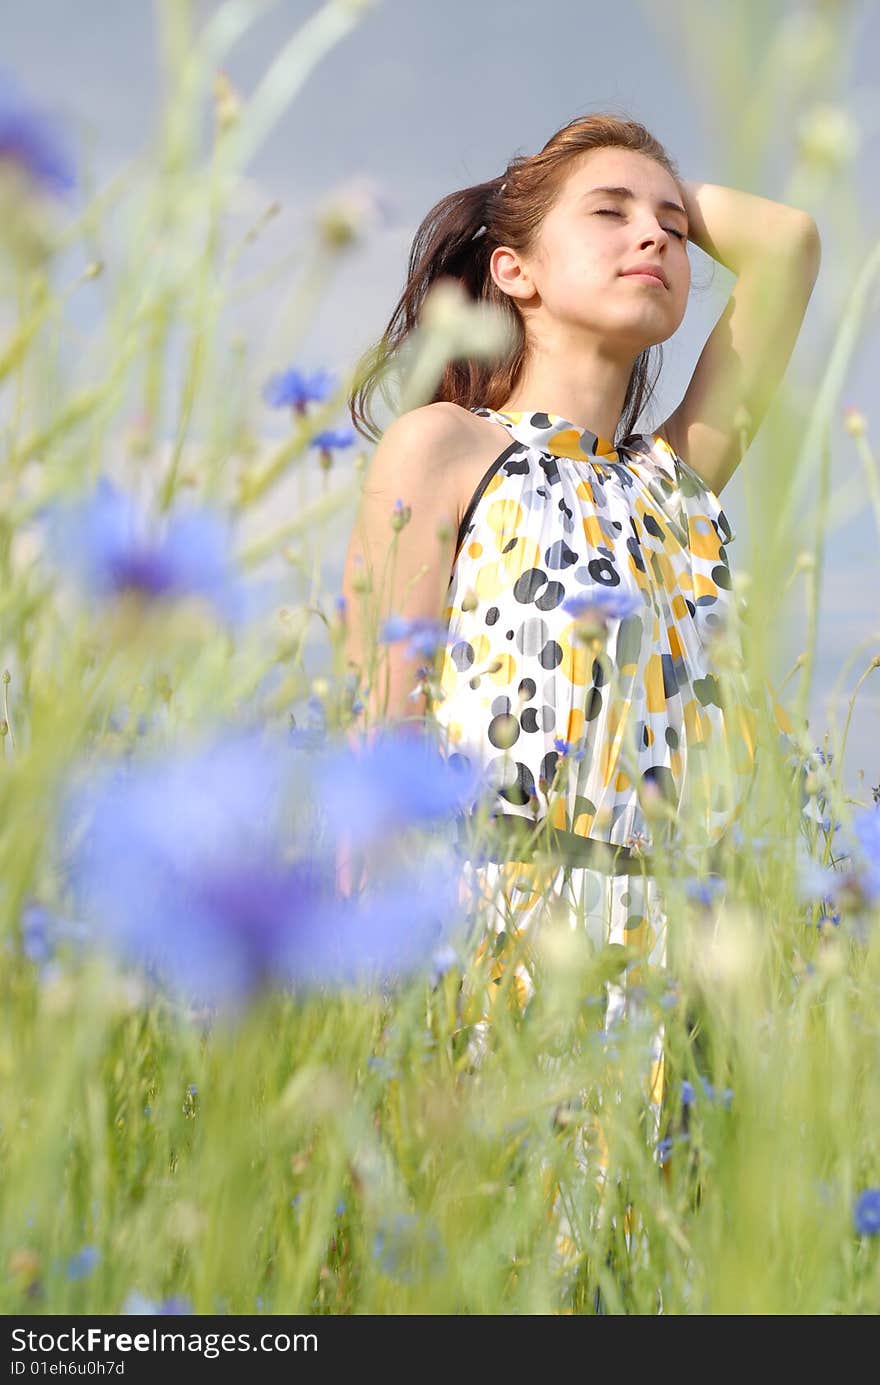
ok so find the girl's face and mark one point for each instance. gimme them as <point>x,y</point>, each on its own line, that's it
<point>575,278</point>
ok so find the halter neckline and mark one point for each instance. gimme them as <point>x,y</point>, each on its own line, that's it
<point>552,433</point>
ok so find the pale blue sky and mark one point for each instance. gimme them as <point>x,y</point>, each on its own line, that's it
<point>424,98</point>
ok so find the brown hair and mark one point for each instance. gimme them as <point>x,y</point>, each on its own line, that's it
<point>444,245</point>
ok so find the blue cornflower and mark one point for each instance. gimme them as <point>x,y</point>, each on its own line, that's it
<point>112,547</point>
<point>866,826</point>
<point>670,997</point>
<point>826,826</point>
<point>815,881</point>
<point>441,962</point>
<point>139,1304</point>
<point>575,750</point>
<point>117,721</point>
<point>312,736</point>
<point>31,140</point>
<point>340,1208</point>
<point>610,603</point>
<point>866,1212</point>
<point>294,388</point>
<point>407,1246</point>
<point>334,438</point>
<point>706,891</point>
<point>186,864</point>
<point>725,1098</point>
<point>688,1093</point>
<point>37,932</point>
<point>828,916</point>
<point>42,931</point>
<point>82,1264</point>
<point>391,783</point>
<point>663,1149</point>
<point>423,634</point>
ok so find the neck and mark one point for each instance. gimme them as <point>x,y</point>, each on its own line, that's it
<point>585,388</point>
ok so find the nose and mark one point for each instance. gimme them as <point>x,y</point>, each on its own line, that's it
<point>656,236</point>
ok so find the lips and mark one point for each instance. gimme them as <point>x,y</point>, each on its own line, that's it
<point>655,270</point>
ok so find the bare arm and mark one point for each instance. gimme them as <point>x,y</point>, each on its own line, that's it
<point>775,251</point>
<point>399,563</point>
<point>398,568</point>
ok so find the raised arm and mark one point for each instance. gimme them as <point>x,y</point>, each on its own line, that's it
<point>775,251</point>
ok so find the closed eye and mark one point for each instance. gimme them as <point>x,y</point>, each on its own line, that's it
<point>608,211</point>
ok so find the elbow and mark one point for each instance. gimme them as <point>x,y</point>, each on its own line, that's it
<point>810,242</point>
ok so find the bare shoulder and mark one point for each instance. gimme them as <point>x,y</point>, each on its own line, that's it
<point>440,432</point>
<point>457,447</point>
<point>437,454</point>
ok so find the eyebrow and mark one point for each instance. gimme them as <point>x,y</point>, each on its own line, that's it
<point>629,194</point>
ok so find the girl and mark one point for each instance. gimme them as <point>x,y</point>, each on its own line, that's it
<point>581,567</point>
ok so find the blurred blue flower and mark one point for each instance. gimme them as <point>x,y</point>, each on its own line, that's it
<point>333,438</point>
<point>688,1093</point>
<point>833,919</point>
<point>406,1247</point>
<point>32,140</point>
<point>81,1265</point>
<point>37,932</point>
<point>815,881</point>
<point>706,891</point>
<point>186,865</point>
<point>294,388</point>
<point>671,997</point>
<point>117,721</point>
<point>866,1212</point>
<point>138,1304</point>
<point>394,782</point>
<point>866,827</point>
<point>313,735</point>
<point>109,542</point>
<point>423,635</point>
<point>43,931</point>
<point>441,962</point>
<point>575,750</point>
<point>663,1150</point>
<point>609,603</point>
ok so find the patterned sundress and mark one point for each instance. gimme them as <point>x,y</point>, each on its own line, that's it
<point>561,513</point>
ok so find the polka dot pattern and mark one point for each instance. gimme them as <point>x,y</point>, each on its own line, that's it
<point>561,513</point>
